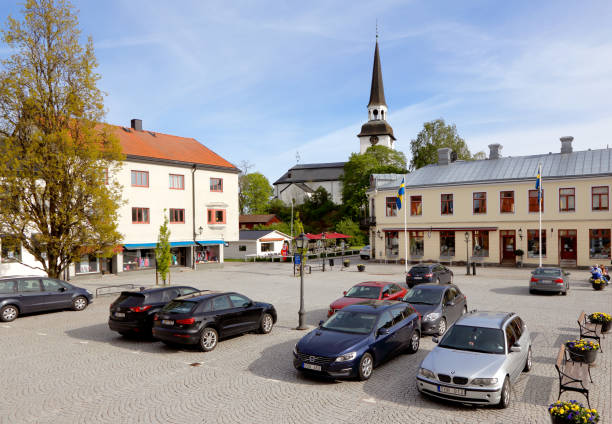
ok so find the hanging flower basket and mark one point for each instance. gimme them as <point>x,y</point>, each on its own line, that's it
<point>361,267</point>
<point>346,263</point>
<point>582,350</point>
<point>601,318</point>
<point>571,412</point>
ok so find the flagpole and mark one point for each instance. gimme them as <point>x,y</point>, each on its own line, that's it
<point>540,200</point>
<point>405,229</point>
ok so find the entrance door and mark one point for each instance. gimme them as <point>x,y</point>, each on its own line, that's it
<point>567,245</point>
<point>508,245</point>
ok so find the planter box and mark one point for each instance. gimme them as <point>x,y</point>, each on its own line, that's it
<point>586,356</point>
<point>361,268</point>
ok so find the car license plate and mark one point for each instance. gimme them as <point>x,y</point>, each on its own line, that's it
<point>418,278</point>
<point>451,390</point>
<point>167,322</point>
<point>312,367</point>
<point>119,314</point>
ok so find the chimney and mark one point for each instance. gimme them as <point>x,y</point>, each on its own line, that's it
<point>566,144</point>
<point>137,124</point>
<point>444,156</point>
<point>495,151</point>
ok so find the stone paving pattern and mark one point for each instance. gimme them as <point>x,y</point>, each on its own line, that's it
<point>68,367</point>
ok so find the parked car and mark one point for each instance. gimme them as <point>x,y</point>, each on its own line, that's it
<point>429,273</point>
<point>550,279</point>
<point>25,294</point>
<point>478,359</point>
<point>133,311</point>
<point>440,306</point>
<point>204,317</point>
<point>376,290</point>
<point>358,338</point>
<point>365,252</point>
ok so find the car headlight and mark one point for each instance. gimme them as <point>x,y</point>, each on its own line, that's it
<point>484,381</point>
<point>427,373</point>
<point>346,357</point>
<point>432,316</point>
<point>295,350</point>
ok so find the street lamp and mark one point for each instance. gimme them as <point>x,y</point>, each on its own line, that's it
<point>324,251</point>
<point>299,243</point>
<point>520,233</point>
<point>467,253</point>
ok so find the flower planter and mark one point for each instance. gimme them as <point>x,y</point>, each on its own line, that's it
<point>346,263</point>
<point>361,268</point>
<point>586,356</point>
<point>605,327</point>
<point>558,420</point>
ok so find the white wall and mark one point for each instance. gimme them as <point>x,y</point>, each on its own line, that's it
<point>232,251</point>
<point>334,188</point>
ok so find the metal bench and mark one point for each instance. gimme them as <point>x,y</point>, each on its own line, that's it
<point>573,376</point>
<point>442,259</point>
<point>589,330</point>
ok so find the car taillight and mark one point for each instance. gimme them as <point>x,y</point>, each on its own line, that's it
<point>409,275</point>
<point>155,317</point>
<point>559,281</point>
<point>429,275</point>
<point>185,321</point>
<point>534,280</point>
<point>140,308</point>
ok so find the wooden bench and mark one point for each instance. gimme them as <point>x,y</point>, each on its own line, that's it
<point>588,330</point>
<point>573,376</point>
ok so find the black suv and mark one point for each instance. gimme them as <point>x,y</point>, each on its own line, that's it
<point>25,294</point>
<point>204,317</point>
<point>133,311</point>
<point>429,273</point>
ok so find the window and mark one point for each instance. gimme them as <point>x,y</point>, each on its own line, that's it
<point>385,320</point>
<point>510,336</point>
<point>599,198</point>
<point>533,247</point>
<point>480,202</point>
<point>177,182</point>
<point>7,286</point>
<point>599,244</point>
<point>177,216</point>
<point>242,248</point>
<point>446,204</point>
<point>239,301</point>
<point>216,216</point>
<point>392,243</point>
<point>168,295</point>
<point>506,201</point>
<point>220,303</point>
<point>416,243</point>
<point>216,184</point>
<point>416,205</point>
<point>28,285</point>
<point>140,179</point>
<point>567,199</point>
<point>391,206</point>
<point>11,249</point>
<point>396,313</point>
<point>517,327</point>
<point>533,201</point>
<point>140,215</point>
<point>267,247</point>
<point>480,243</point>
<point>447,243</point>
<point>87,263</point>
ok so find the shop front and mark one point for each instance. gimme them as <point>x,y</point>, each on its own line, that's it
<point>209,251</point>
<point>142,255</point>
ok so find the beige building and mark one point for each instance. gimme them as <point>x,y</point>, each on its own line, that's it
<point>488,209</point>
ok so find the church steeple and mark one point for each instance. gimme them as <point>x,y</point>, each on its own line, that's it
<point>377,91</point>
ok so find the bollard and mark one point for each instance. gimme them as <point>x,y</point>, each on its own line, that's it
<point>473,268</point>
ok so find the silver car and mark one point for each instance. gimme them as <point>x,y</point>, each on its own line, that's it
<point>478,359</point>
<point>550,279</point>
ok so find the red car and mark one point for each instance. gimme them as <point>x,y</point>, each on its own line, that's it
<point>368,290</point>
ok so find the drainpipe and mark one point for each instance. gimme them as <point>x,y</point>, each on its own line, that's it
<point>193,215</point>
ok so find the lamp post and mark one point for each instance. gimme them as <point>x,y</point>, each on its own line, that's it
<point>324,251</point>
<point>299,243</point>
<point>467,253</point>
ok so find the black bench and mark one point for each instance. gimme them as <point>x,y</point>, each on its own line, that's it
<point>589,330</point>
<point>573,376</point>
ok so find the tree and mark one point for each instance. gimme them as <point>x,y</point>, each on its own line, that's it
<point>255,193</point>
<point>349,227</point>
<point>435,135</point>
<point>357,172</point>
<point>163,257</point>
<point>55,195</point>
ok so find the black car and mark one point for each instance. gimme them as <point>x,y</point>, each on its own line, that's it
<point>204,317</point>
<point>429,273</point>
<point>440,306</point>
<point>133,311</point>
<point>25,294</point>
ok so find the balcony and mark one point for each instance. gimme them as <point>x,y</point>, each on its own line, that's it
<point>367,222</point>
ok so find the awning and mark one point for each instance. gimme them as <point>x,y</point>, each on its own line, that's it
<point>328,236</point>
<point>442,229</point>
<point>154,245</point>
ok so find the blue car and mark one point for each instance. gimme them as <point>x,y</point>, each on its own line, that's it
<point>357,338</point>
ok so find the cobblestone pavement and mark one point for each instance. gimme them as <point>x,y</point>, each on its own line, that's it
<point>67,367</point>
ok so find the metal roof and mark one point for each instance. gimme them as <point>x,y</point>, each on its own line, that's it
<point>312,172</point>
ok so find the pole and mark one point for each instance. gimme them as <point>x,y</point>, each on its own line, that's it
<point>405,230</point>
<point>291,218</point>
<point>540,213</point>
<point>467,256</point>
<point>301,312</point>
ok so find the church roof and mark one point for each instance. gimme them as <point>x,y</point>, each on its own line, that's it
<point>376,127</point>
<point>377,92</point>
<point>310,172</point>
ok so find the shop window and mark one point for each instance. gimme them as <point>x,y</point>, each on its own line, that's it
<point>88,263</point>
<point>177,216</point>
<point>209,253</point>
<point>140,179</point>
<point>533,201</point>
<point>392,243</point>
<point>267,247</point>
<point>446,204</point>
<point>391,207</point>
<point>599,244</point>
<point>480,243</point>
<point>417,243</point>
<point>533,246</point>
<point>177,182</point>
<point>567,199</point>
<point>506,201</point>
<point>416,205</point>
<point>447,243</point>
<point>216,216</point>
<point>138,259</point>
<point>140,215</point>
<point>480,202</point>
<point>599,198</point>
<point>216,184</point>
<point>11,249</point>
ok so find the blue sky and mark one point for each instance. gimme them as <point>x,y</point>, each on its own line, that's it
<point>260,81</point>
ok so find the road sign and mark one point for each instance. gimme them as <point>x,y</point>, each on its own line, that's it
<point>297,259</point>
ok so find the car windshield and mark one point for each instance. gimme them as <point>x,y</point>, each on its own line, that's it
<point>179,307</point>
<point>351,322</point>
<point>548,271</point>
<point>364,292</point>
<point>419,270</point>
<point>475,339</point>
<point>424,297</point>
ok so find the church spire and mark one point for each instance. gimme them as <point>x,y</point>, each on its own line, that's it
<point>377,92</point>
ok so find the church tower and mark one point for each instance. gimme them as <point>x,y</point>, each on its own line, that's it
<point>376,131</point>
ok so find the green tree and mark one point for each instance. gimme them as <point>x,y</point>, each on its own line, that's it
<point>255,193</point>
<point>357,172</point>
<point>298,228</point>
<point>435,135</point>
<point>163,257</point>
<point>55,195</point>
<point>283,227</point>
<point>349,227</point>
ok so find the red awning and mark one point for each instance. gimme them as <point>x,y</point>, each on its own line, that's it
<point>328,236</point>
<point>442,229</point>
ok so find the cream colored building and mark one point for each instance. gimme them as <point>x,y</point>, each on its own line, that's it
<point>488,209</point>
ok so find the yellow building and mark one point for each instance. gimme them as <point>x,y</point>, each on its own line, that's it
<point>488,209</point>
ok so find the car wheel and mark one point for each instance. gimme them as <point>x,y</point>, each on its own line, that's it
<point>8,313</point>
<point>528,361</point>
<point>266,324</point>
<point>531,291</point>
<point>442,326</point>
<point>209,339</point>
<point>415,341</point>
<point>79,303</point>
<point>564,293</point>
<point>366,366</point>
<point>504,400</point>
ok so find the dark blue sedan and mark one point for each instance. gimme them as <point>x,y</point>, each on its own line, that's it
<point>357,338</point>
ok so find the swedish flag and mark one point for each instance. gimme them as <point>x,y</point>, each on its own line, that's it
<point>539,184</point>
<point>399,200</point>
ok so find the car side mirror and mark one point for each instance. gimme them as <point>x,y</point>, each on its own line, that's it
<point>435,339</point>
<point>383,331</point>
<point>515,348</point>
<point>320,323</point>
<point>385,295</point>
<point>344,292</point>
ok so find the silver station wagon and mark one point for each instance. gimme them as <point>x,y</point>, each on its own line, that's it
<point>478,359</point>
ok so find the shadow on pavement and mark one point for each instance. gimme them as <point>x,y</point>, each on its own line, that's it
<point>522,291</point>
